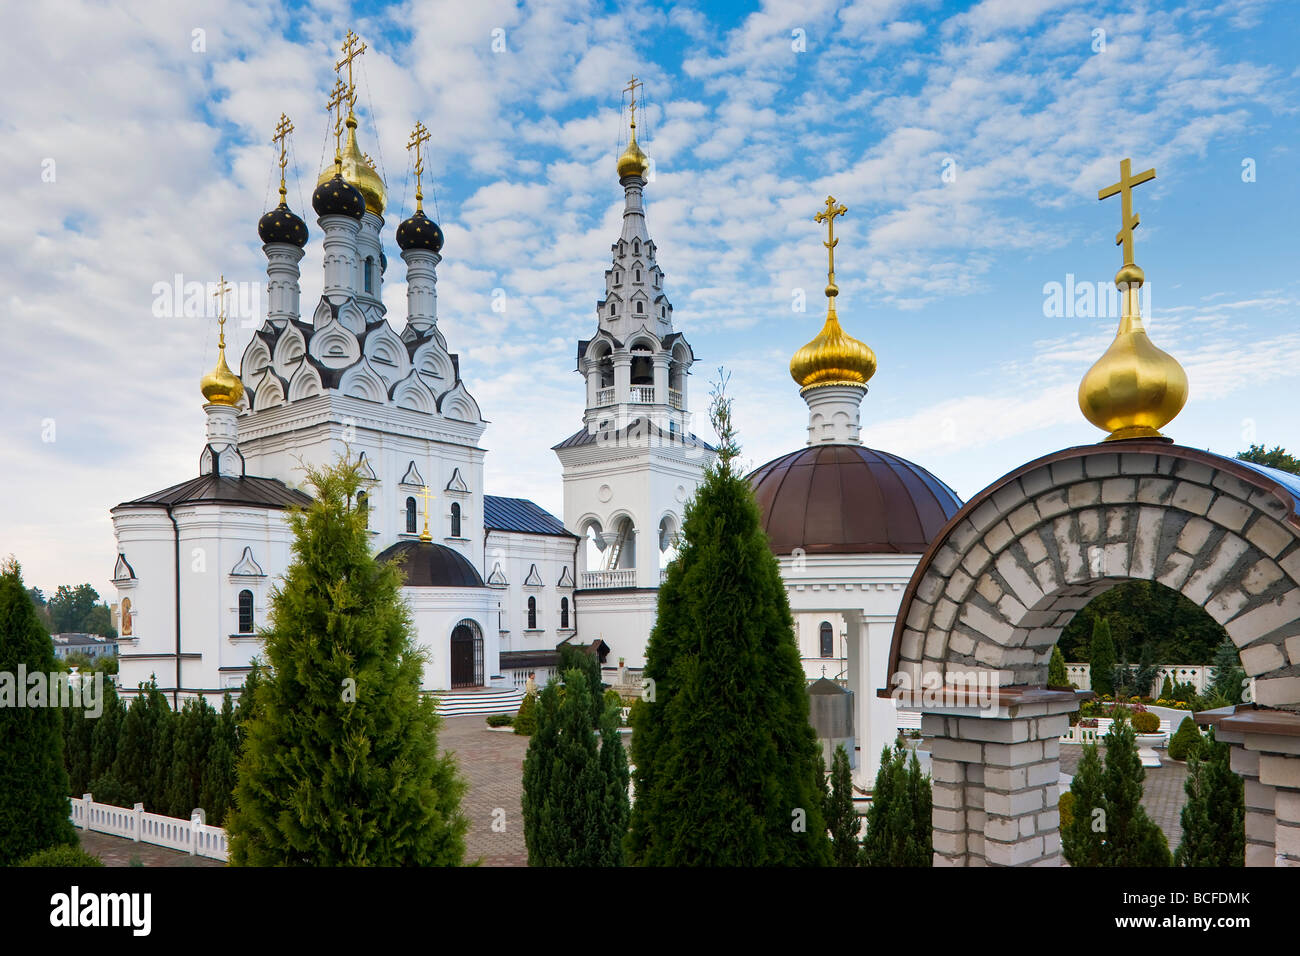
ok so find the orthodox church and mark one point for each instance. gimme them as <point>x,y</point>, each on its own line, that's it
<point>494,584</point>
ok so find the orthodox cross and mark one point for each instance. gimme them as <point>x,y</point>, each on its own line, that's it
<point>1129,219</point>
<point>828,216</point>
<point>338,96</point>
<point>424,535</point>
<point>223,287</point>
<point>350,52</point>
<point>419,136</point>
<point>631,88</point>
<point>282,131</point>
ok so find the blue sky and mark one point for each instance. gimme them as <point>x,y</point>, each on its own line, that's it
<point>755,113</point>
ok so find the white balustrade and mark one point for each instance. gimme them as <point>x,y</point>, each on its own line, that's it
<point>604,396</point>
<point>188,836</point>
<point>643,394</point>
<point>621,578</point>
<point>675,397</point>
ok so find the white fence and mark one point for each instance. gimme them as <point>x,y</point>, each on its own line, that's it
<point>1198,675</point>
<point>1093,735</point>
<point>189,836</point>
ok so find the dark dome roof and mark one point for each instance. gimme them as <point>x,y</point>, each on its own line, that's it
<point>849,499</point>
<point>282,224</point>
<point>338,197</point>
<point>420,232</point>
<point>430,565</point>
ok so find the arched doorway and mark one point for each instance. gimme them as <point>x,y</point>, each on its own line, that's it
<point>990,598</point>
<point>466,655</point>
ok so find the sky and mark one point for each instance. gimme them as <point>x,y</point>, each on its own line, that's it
<point>968,142</point>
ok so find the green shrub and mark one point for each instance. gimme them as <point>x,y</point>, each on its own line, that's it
<point>500,720</point>
<point>1185,741</point>
<point>1065,807</point>
<point>1146,722</point>
<point>526,720</point>
<point>613,699</point>
<point>62,856</point>
<point>1167,688</point>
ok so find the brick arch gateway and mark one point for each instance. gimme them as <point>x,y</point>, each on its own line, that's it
<point>990,597</point>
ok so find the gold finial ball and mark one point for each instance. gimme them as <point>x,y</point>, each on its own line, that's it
<point>1135,388</point>
<point>221,386</point>
<point>633,162</point>
<point>833,358</point>
<point>1130,275</point>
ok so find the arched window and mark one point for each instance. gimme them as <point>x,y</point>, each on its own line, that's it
<point>363,506</point>
<point>124,616</point>
<point>532,614</point>
<point>638,275</point>
<point>245,611</point>
<point>410,516</point>
<point>611,308</point>
<point>827,639</point>
<point>564,612</point>
<point>370,274</point>
<point>636,245</point>
<point>640,308</point>
<point>455,519</point>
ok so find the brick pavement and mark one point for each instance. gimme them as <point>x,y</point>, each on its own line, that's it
<point>493,763</point>
<point>116,851</point>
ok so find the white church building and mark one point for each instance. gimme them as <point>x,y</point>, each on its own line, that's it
<point>496,584</point>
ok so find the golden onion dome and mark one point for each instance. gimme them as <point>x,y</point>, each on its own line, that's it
<point>358,171</point>
<point>1135,388</point>
<point>633,162</point>
<point>221,386</point>
<point>833,358</point>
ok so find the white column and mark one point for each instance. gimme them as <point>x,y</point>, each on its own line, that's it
<point>282,289</point>
<point>340,254</point>
<point>421,288</point>
<point>833,413</point>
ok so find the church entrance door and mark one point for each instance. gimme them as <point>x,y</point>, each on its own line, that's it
<point>466,655</point>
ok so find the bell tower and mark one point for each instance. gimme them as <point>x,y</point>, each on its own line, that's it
<point>630,469</point>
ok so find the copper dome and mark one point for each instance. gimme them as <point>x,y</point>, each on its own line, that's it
<point>849,499</point>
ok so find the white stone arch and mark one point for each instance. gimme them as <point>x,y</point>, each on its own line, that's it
<point>334,346</point>
<point>990,597</point>
<point>432,360</point>
<point>305,382</point>
<point>414,393</point>
<point>458,404</point>
<point>387,353</point>
<point>256,358</point>
<point>290,348</point>
<point>362,381</point>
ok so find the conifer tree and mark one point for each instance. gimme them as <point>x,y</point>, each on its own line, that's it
<point>1229,676</point>
<point>1101,658</point>
<point>1083,839</point>
<point>103,783</point>
<point>1057,676</point>
<point>1214,817</point>
<point>340,764</point>
<point>899,820</point>
<point>727,768</point>
<point>566,799</point>
<point>841,816</point>
<point>141,747</point>
<point>192,744</point>
<point>78,746</point>
<point>218,782</point>
<point>34,804</point>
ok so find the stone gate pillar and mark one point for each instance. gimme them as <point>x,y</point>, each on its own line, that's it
<point>1266,752</point>
<point>995,772</point>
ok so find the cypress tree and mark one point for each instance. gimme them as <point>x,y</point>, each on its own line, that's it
<point>191,751</point>
<point>1186,740</point>
<point>103,783</point>
<point>899,827</point>
<point>78,747</point>
<point>340,764</point>
<point>1229,676</point>
<point>1214,817</point>
<point>218,779</point>
<point>1101,658</point>
<point>34,804</point>
<point>727,768</point>
<point>567,797</point>
<point>1057,676</point>
<point>841,816</point>
<point>143,752</point>
<point>1083,839</point>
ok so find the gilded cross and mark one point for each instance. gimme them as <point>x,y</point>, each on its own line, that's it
<point>350,52</point>
<point>419,136</point>
<point>828,216</point>
<point>282,131</point>
<point>223,288</point>
<point>1129,219</point>
<point>426,495</point>
<point>631,88</point>
<point>338,96</point>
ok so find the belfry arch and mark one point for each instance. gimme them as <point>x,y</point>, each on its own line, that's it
<point>990,597</point>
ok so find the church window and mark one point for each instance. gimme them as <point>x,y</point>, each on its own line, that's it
<point>455,519</point>
<point>125,615</point>
<point>410,516</point>
<point>663,313</point>
<point>618,277</point>
<point>611,308</point>
<point>640,308</point>
<point>245,611</point>
<point>532,614</point>
<point>636,246</point>
<point>638,275</point>
<point>827,639</point>
<point>564,612</point>
<point>370,274</point>
<point>363,505</point>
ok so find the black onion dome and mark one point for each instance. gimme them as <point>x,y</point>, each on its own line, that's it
<point>282,224</point>
<point>426,564</point>
<point>338,197</point>
<point>419,232</point>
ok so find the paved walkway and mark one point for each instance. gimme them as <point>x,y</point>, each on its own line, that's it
<point>1162,790</point>
<point>116,851</point>
<point>493,763</point>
